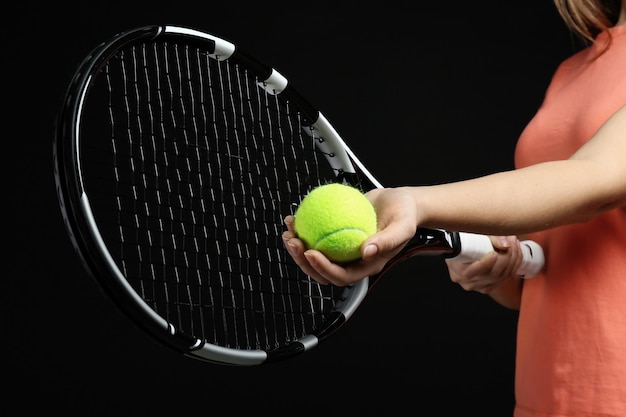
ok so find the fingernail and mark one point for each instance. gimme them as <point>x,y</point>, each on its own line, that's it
<point>369,251</point>
<point>504,241</point>
<point>291,248</point>
<point>310,259</point>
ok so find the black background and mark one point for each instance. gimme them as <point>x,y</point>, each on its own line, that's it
<point>423,93</point>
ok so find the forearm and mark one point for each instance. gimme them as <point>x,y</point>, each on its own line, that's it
<point>542,196</point>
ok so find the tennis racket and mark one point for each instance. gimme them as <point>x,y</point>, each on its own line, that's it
<point>177,157</point>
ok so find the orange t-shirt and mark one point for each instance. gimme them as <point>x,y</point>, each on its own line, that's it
<point>571,342</point>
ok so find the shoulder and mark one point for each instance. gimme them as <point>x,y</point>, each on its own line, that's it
<point>596,58</point>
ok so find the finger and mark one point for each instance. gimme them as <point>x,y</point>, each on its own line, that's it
<point>510,259</point>
<point>288,234</point>
<point>317,266</point>
<point>465,272</point>
<point>289,222</point>
<point>325,270</point>
<point>295,247</point>
<point>515,257</point>
<point>339,274</point>
<point>501,243</point>
<point>386,243</point>
<point>345,274</point>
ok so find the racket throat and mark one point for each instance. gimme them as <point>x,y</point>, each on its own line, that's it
<point>433,242</point>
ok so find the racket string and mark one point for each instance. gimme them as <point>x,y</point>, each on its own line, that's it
<point>178,193</point>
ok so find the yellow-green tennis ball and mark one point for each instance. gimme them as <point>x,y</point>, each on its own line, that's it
<point>335,219</point>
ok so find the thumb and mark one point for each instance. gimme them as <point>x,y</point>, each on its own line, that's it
<point>502,243</point>
<point>386,243</point>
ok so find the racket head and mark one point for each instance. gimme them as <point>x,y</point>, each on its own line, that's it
<point>176,158</point>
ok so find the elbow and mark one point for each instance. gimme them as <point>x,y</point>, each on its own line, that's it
<point>593,210</point>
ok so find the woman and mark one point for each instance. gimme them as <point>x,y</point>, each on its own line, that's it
<point>568,193</point>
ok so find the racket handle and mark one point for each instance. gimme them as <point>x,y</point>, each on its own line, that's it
<point>474,246</point>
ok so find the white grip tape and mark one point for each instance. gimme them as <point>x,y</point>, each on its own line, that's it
<point>474,246</point>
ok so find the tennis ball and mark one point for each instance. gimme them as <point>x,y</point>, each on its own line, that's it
<point>335,219</point>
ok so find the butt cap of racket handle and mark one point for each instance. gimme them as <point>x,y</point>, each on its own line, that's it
<point>533,260</point>
<point>474,246</point>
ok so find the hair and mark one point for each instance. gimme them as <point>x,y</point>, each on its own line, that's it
<point>587,18</point>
